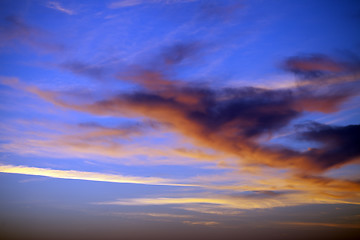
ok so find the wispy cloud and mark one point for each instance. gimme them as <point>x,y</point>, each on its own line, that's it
<point>316,191</point>
<point>205,223</point>
<point>125,3</point>
<point>218,118</point>
<point>131,3</point>
<point>258,194</point>
<point>165,201</point>
<point>225,205</point>
<point>79,68</point>
<point>322,224</point>
<point>14,29</point>
<point>57,6</point>
<point>154,215</point>
<point>208,209</point>
<point>91,140</point>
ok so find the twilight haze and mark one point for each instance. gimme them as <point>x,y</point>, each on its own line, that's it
<point>180,119</point>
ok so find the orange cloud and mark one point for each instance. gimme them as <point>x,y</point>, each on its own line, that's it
<point>234,124</point>
<point>205,223</point>
<point>232,121</point>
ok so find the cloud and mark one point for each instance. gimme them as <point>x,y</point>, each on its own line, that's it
<point>322,224</point>
<point>272,192</point>
<point>339,144</point>
<point>261,194</point>
<point>245,116</point>
<point>166,201</point>
<point>57,6</point>
<point>307,187</point>
<point>125,3</point>
<point>205,223</point>
<point>156,74</point>
<point>146,78</point>
<point>93,129</point>
<point>180,52</point>
<point>313,65</point>
<point>131,3</point>
<point>91,140</point>
<point>237,192</point>
<point>14,29</point>
<point>125,143</point>
<point>89,176</point>
<point>235,121</point>
<point>208,209</point>
<point>166,215</point>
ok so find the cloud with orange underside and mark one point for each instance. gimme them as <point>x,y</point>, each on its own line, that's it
<point>235,121</point>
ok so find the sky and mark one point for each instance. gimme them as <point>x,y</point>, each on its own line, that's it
<point>180,119</point>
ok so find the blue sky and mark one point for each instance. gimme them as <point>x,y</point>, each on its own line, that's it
<point>181,118</point>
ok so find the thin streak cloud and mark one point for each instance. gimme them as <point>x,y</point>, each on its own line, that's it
<point>321,224</point>
<point>131,3</point>
<point>14,29</point>
<point>89,176</point>
<point>57,6</point>
<point>205,223</point>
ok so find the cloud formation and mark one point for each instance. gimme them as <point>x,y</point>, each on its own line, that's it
<point>131,3</point>
<point>204,223</point>
<point>237,120</point>
<point>83,69</point>
<point>57,6</point>
<point>169,110</point>
<point>14,29</point>
<point>322,224</point>
<point>229,205</point>
<point>89,176</point>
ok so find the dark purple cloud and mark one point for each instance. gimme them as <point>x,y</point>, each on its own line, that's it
<point>338,144</point>
<point>88,70</point>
